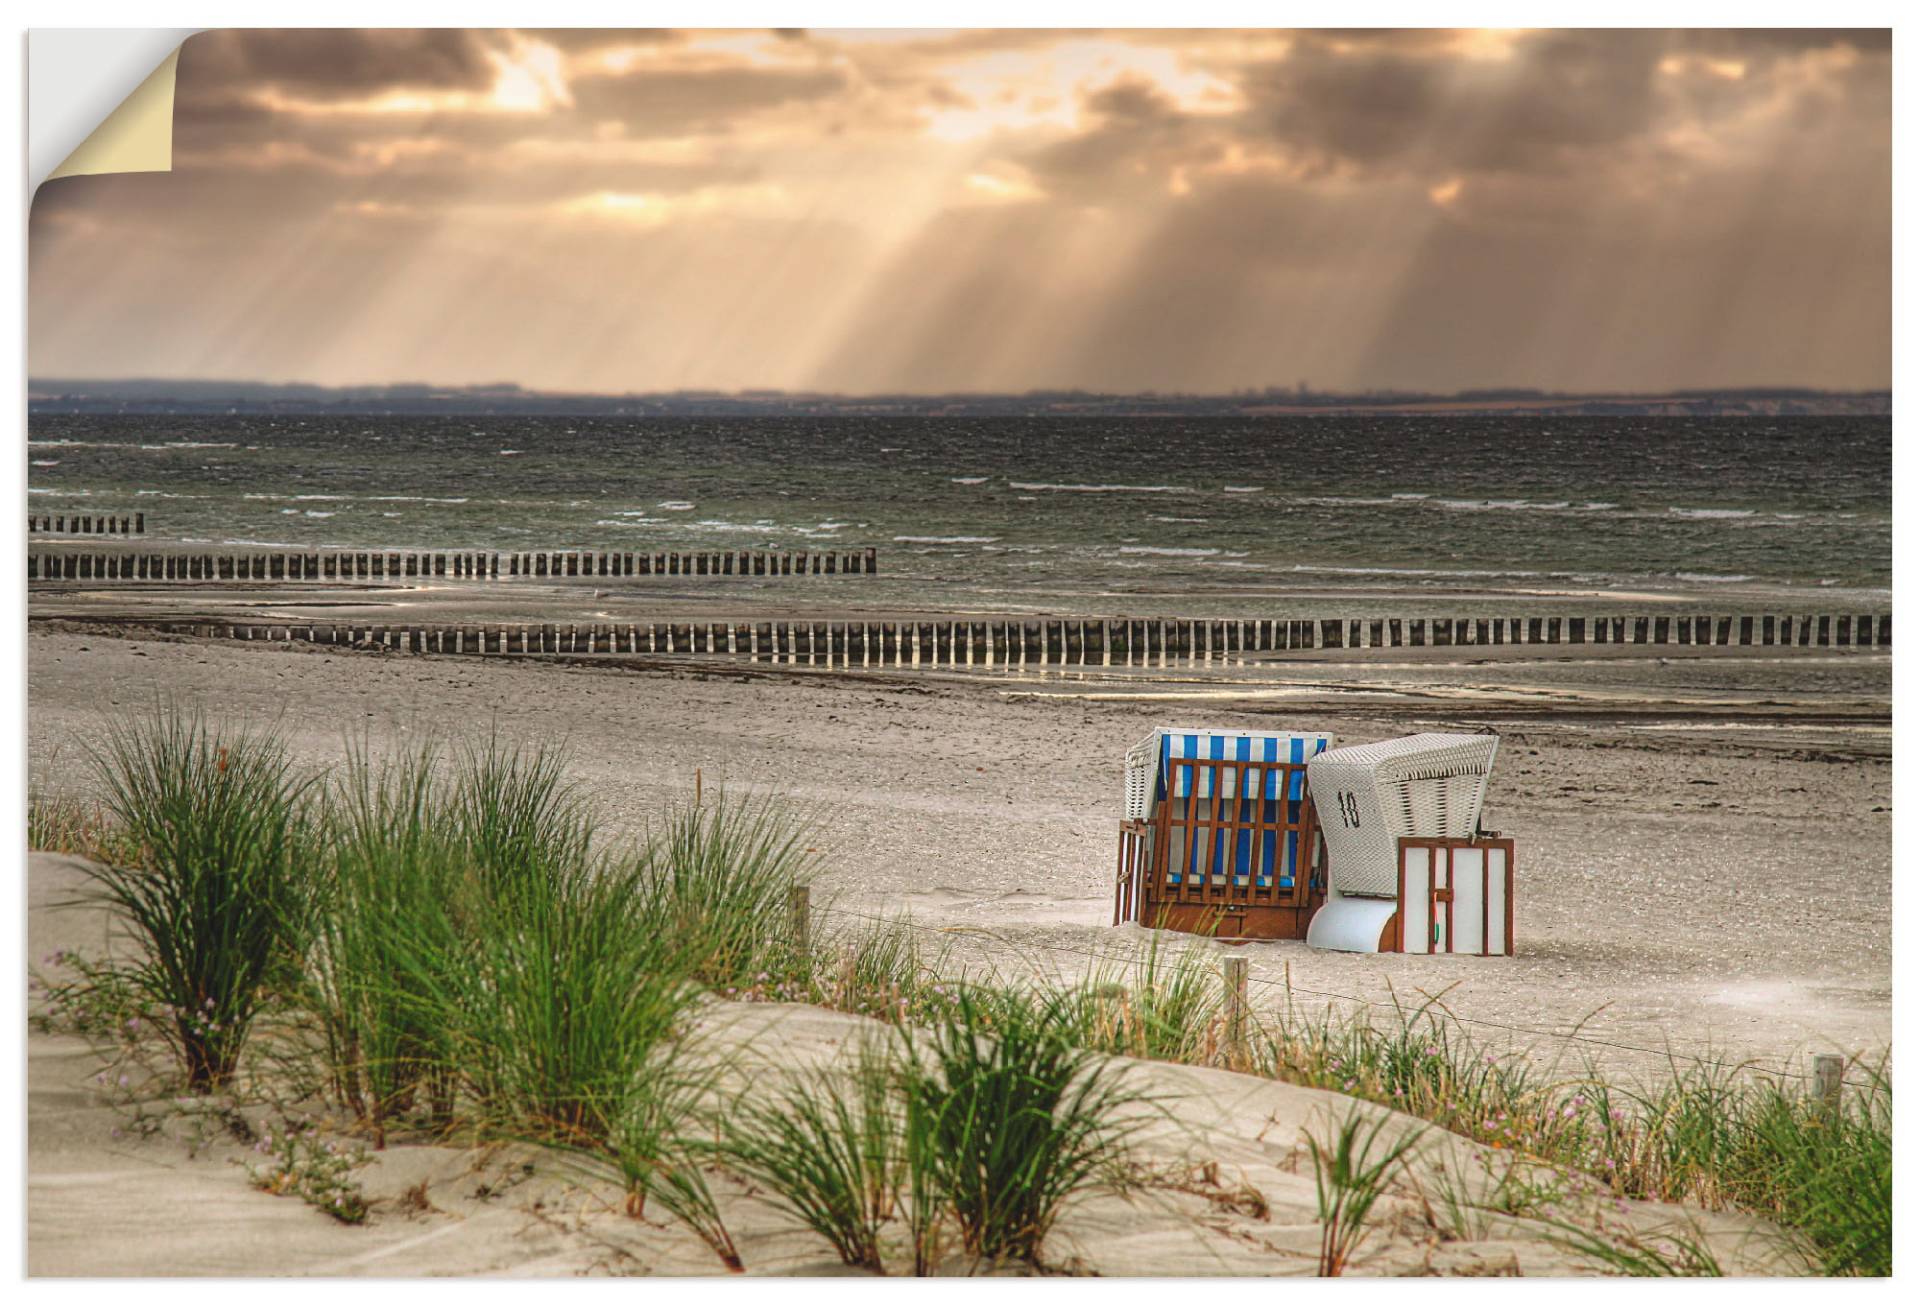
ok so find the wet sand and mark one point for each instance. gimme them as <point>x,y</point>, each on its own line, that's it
<point>1704,849</point>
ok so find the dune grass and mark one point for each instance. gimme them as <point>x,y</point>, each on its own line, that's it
<point>71,826</point>
<point>1763,1144</point>
<point>481,946</point>
<point>889,969</point>
<point>1352,1169</point>
<point>831,1150</point>
<point>1167,1004</point>
<point>564,991</point>
<point>385,920</point>
<point>1008,1118</point>
<point>513,813</point>
<point>1672,1252</point>
<point>974,1130</point>
<point>719,873</point>
<point>474,939</point>
<point>1711,1134</point>
<point>215,888</point>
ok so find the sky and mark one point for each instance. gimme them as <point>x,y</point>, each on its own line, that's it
<point>994,210</point>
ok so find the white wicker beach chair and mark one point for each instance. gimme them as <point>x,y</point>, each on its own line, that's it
<point>1372,795</point>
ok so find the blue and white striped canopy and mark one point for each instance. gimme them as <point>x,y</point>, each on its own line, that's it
<point>1235,852</point>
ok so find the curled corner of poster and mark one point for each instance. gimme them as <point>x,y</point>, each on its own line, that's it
<point>100,101</point>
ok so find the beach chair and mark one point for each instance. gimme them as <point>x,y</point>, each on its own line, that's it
<point>1219,835</point>
<point>1371,798</point>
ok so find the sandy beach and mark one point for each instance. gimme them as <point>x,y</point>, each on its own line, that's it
<point>1703,838</point>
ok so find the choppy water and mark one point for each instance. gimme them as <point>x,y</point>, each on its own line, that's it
<point>1061,506</point>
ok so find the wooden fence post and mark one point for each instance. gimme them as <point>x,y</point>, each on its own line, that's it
<point>1828,1073</point>
<point>1236,1012</point>
<point>800,922</point>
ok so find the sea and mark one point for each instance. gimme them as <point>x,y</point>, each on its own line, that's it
<point>1036,510</point>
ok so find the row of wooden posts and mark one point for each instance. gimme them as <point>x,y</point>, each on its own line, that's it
<point>349,564</point>
<point>63,524</point>
<point>1045,642</point>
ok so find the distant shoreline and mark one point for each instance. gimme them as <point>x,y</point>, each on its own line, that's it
<point>68,397</point>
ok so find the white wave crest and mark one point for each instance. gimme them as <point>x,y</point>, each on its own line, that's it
<point>1099,489</point>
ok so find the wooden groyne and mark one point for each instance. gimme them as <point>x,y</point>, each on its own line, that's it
<point>63,524</point>
<point>1010,644</point>
<point>359,564</point>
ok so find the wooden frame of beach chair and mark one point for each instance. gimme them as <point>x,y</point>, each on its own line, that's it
<point>1457,898</point>
<point>1233,851</point>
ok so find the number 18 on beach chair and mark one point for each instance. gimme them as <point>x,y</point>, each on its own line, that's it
<point>1220,836</point>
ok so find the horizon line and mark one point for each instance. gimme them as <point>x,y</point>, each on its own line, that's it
<point>1243,393</point>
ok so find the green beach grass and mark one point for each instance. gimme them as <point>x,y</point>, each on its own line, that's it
<point>446,943</point>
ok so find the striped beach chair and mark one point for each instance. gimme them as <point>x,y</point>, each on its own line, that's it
<point>1217,819</point>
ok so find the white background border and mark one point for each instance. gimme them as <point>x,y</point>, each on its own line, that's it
<point>749,13</point>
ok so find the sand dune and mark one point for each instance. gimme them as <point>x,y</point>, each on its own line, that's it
<point>1233,1190</point>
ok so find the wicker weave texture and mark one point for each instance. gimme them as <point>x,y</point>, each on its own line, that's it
<point>1140,761</point>
<point>1373,794</point>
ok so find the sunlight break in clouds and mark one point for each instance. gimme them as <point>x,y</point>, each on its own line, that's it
<point>1013,90</point>
<point>948,210</point>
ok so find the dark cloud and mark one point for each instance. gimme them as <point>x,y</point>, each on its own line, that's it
<point>1406,104</point>
<point>333,62</point>
<point>1776,41</point>
<point>1555,95</point>
<point>1135,133</point>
